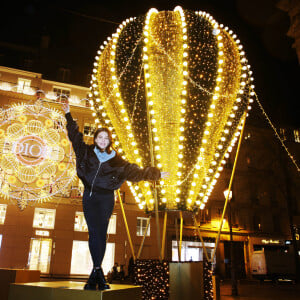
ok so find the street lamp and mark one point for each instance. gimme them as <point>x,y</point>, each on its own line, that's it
<point>234,290</point>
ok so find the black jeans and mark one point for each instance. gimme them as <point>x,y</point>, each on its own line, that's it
<point>97,211</point>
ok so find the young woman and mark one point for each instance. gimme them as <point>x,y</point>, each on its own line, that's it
<point>101,171</point>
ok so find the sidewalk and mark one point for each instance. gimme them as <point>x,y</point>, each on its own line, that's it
<point>253,290</point>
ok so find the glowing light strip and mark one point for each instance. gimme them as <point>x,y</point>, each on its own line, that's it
<point>215,168</point>
<point>115,92</point>
<point>205,194</point>
<point>184,69</point>
<point>126,120</point>
<point>199,165</point>
<point>149,93</point>
<point>183,97</point>
<point>206,188</point>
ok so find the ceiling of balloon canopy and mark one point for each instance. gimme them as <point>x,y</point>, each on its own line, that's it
<point>174,87</point>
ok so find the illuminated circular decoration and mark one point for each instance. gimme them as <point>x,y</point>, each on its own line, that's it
<point>174,86</point>
<point>33,147</point>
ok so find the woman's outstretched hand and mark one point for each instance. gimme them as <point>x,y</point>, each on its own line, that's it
<point>66,107</point>
<point>164,174</point>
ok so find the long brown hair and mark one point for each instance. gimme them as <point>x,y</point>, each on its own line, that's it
<point>109,148</point>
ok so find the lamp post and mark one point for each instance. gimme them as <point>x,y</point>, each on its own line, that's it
<point>234,289</point>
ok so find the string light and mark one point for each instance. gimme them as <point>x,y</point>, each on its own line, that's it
<point>154,277</point>
<point>36,158</point>
<point>194,91</point>
<point>276,133</point>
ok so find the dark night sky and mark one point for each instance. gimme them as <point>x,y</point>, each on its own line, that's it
<point>76,31</point>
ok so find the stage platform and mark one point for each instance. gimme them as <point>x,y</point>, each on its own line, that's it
<point>8,276</point>
<point>71,290</point>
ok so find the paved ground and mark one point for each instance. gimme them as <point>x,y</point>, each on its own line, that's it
<point>253,290</point>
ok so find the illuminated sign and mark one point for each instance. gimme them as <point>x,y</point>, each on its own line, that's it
<point>30,150</point>
<point>36,157</point>
<point>42,233</point>
<point>270,242</point>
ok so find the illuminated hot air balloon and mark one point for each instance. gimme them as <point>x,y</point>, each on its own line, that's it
<point>174,87</point>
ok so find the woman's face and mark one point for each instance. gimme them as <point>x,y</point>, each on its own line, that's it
<point>102,140</point>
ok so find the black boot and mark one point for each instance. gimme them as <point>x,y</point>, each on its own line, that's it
<point>92,281</point>
<point>102,284</point>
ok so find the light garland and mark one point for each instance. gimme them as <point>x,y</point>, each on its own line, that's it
<point>111,106</point>
<point>154,277</point>
<point>196,88</point>
<point>276,133</point>
<point>36,158</point>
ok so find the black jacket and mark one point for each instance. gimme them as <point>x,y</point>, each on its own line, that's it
<point>108,175</point>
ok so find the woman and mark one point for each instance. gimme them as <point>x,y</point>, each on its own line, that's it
<point>101,171</point>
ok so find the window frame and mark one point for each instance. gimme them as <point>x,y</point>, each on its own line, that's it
<point>24,86</point>
<point>5,211</point>
<point>140,229</point>
<point>49,210</point>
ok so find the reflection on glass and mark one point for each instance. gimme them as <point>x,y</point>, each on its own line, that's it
<point>3,208</point>
<point>141,226</point>
<point>40,254</point>
<point>44,218</point>
<point>191,251</point>
<point>81,263</point>
<point>80,223</point>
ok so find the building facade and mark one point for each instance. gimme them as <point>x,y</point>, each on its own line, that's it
<point>52,236</point>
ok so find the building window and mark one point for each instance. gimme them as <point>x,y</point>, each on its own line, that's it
<point>192,251</point>
<point>61,93</point>
<point>89,129</point>
<point>3,208</point>
<point>112,225</point>
<point>23,85</point>
<point>44,218</point>
<point>141,226</point>
<point>81,262</point>
<point>80,223</point>
<point>297,135</point>
<point>282,134</point>
<point>40,254</point>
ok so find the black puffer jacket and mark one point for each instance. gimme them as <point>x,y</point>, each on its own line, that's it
<point>108,175</point>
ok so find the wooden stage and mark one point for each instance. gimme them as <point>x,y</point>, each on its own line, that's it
<point>71,290</point>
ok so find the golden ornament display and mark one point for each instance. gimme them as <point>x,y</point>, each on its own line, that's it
<point>174,87</point>
<point>33,165</point>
